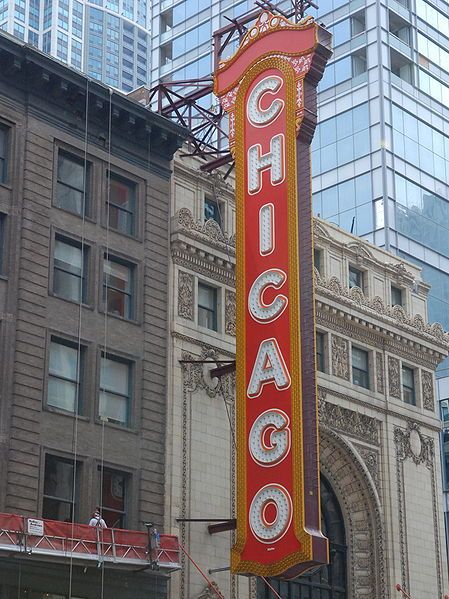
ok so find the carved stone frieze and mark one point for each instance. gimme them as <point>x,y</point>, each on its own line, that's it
<point>394,378</point>
<point>360,505</point>
<point>210,593</point>
<point>209,231</point>
<point>371,460</point>
<point>346,421</point>
<point>427,391</point>
<point>380,374</point>
<point>185,295</point>
<point>194,259</point>
<point>340,357</point>
<point>391,314</point>
<point>230,312</point>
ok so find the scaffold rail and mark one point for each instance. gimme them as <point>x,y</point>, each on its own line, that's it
<point>48,539</point>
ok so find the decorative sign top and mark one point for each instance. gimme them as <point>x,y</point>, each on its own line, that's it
<point>268,89</point>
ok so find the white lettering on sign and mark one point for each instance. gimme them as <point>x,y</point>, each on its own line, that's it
<point>266,229</point>
<point>256,114</point>
<point>35,527</point>
<point>258,162</point>
<point>275,499</point>
<point>259,310</point>
<point>269,367</point>
<point>270,438</point>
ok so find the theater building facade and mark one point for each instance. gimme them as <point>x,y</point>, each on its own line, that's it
<point>379,427</point>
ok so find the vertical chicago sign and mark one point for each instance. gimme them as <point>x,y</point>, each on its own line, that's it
<point>268,89</point>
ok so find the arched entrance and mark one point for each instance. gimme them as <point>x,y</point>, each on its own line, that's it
<point>329,582</point>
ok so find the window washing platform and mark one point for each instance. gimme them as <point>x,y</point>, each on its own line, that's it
<point>50,540</point>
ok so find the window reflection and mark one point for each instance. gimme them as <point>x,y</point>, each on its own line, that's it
<point>348,204</point>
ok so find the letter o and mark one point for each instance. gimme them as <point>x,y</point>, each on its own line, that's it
<point>278,497</point>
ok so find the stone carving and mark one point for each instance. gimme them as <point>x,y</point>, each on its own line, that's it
<point>230,312</point>
<point>371,459</point>
<point>185,295</point>
<point>210,231</point>
<point>340,357</point>
<point>394,378</point>
<point>411,444</point>
<point>346,421</point>
<point>360,251</point>
<point>210,593</point>
<point>380,375</point>
<point>427,391</point>
<point>363,519</point>
<point>355,296</point>
<point>208,265</point>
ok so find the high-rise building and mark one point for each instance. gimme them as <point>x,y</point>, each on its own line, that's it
<point>107,39</point>
<point>84,215</point>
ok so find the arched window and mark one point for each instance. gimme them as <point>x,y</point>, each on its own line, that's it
<point>328,582</point>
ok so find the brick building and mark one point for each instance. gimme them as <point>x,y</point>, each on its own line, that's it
<point>84,212</point>
<point>379,425</point>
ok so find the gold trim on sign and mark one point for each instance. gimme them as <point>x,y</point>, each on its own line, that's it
<point>306,552</point>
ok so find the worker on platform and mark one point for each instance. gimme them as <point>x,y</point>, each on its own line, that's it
<point>97,520</point>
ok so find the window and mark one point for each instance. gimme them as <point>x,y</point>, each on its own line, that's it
<point>58,489</point>
<point>396,296</point>
<point>2,241</point>
<point>3,154</point>
<point>72,180</point>
<point>212,211</point>
<point>65,371</point>
<point>355,277</point>
<point>70,270</point>
<point>408,385</point>
<point>118,280</point>
<point>320,359</point>
<point>115,390</point>
<point>317,255</point>
<point>121,204</point>
<point>360,372</point>
<point>207,306</point>
<point>401,66</point>
<point>113,497</point>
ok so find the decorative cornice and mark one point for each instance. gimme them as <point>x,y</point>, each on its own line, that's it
<point>202,344</point>
<point>203,263</point>
<point>392,316</point>
<point>207,232</point>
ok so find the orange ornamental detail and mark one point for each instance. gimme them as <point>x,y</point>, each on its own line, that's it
<point>268,89</point>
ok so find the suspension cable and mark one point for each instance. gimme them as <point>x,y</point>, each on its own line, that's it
<point>105,340</point>
<point>78,353</point>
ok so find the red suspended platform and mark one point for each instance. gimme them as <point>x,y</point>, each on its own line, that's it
<point>51,540</point>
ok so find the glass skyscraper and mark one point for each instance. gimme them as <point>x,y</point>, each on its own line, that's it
<point>107,39</point>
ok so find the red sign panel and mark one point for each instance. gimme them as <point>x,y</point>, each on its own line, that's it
<point>269,90</point>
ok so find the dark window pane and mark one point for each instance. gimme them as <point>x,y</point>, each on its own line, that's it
<point>71,183</point>
<point>113,498</point>
<point>121,205</point>
<point>69,271</point>
<point>58,488</point>
<point>355,277</point>
<point>207,307</point>
<point>3,154</point>
<point>115,386</point>
<point>212,211</point>
<point>63,376</point>
<point>118,288</point>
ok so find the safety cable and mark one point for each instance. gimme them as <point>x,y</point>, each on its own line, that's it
<point>105,340</point>
<point>78,355</point>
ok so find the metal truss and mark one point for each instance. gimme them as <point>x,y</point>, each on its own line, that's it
<point>189,102</point>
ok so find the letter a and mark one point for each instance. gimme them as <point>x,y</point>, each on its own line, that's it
<point>269,367</point>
